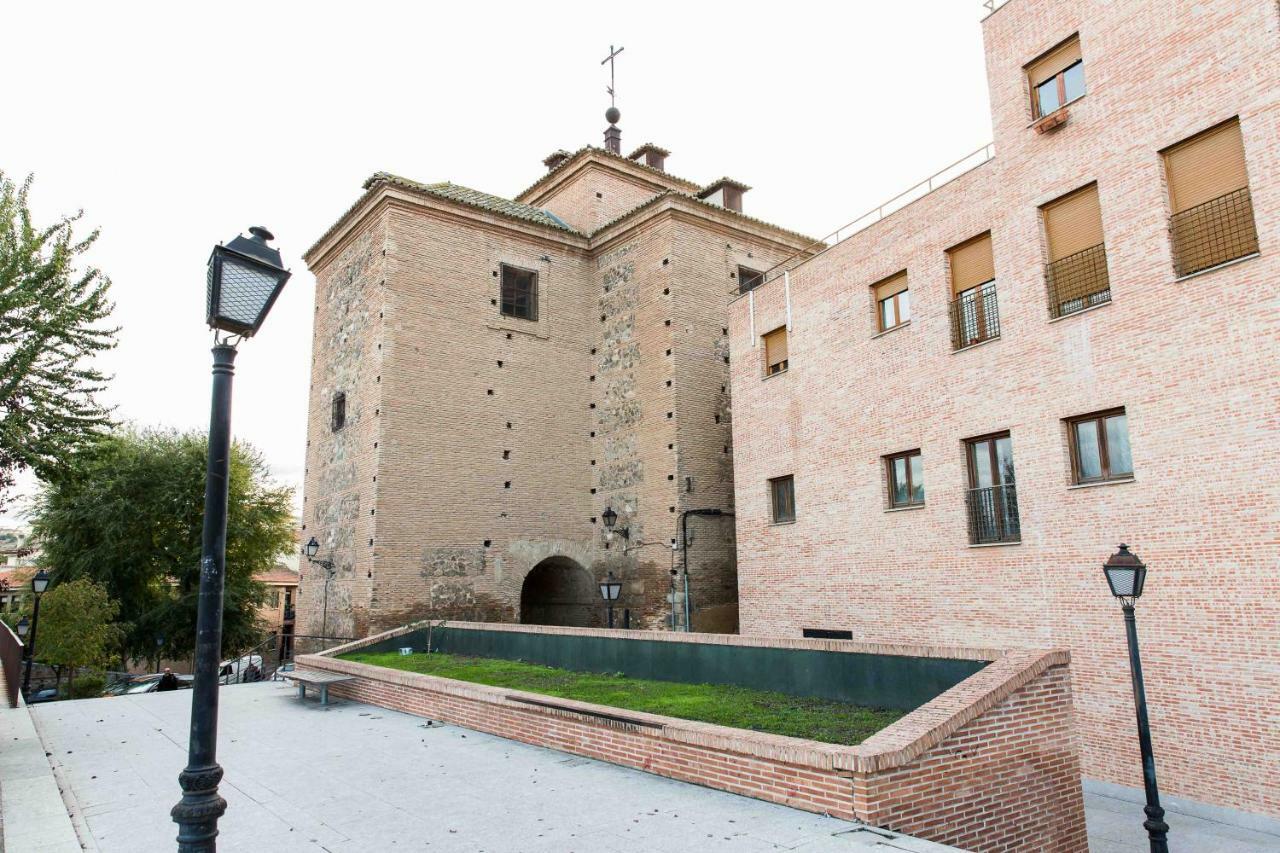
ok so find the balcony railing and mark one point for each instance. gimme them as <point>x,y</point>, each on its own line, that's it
<point>1078,281</point>
<point>975,316</point>
<point>993,515</point>
<point>1213,233</point>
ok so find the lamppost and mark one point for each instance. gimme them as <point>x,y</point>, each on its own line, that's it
<point>1126,575</point>
<point>609,589</point>
<point>243,280</point>
<point>39,584</point>
<point>313,548</point>
<point>610,518</point>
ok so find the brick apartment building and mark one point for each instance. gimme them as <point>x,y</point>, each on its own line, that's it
<point>491,375</point>
<point>945,423</point>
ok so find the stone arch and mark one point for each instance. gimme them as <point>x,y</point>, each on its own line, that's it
<point>559,591</point>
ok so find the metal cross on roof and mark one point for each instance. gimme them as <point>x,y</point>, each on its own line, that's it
<point>609,59</point>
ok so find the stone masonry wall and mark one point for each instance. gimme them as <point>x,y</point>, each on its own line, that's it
<point>339,484</point>
<point>1192,361</point>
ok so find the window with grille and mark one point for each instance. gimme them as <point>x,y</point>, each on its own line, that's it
<point>893,302</point>
<point>1057,78</point>
<point>338,412</point>
<point>1076,275</point>
<point>906,479</point>
<point>519,293</point>
<point>782,499</point>
<point>1212,220</point>
<point>1100,447</point>
<point>775,351</point>
<point>991,502</point>
<point>975,317</point>
<point>749,279</point>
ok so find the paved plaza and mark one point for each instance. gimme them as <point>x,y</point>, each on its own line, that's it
<point>353,777</point>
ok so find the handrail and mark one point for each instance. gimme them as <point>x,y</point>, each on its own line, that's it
<point>874,215</point>
<point>12,651</point>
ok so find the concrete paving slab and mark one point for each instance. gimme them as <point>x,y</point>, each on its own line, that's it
<point>31,806</point>
<point>350,778</point>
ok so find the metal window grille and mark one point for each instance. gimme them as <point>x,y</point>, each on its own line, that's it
<point>1213,233</point>
<point>1078,281</point>
<point>993,514</point>
<point>975,316</point>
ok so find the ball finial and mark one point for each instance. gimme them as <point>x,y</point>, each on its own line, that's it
<point>612,115</point>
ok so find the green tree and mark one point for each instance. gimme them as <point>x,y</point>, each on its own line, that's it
<point>78,627</point>
<point>128,515</point>
<point>50,316</point>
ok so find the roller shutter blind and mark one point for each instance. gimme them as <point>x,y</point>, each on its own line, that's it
<point>1206,167</point>
<point>971,264</point>
<point>775,348</point>
<point>891,286</point>
<point>1073,223</point>
<point>1059,59</point>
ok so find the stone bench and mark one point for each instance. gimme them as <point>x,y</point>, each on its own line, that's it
<point>315,678</point>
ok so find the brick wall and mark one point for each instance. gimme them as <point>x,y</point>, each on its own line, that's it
<point>989,765</point>
<point>477,445</point>
<point>1191,361</point>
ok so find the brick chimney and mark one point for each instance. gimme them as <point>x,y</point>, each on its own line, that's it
<point>612,135</point>
<point>653,156</point>
<point>555,158</point>
<point>725,192</point>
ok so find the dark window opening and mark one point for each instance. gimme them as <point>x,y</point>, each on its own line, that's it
<point>519,293</point>
<point>749,279</point>
<point>338,414</point>
<point>826,634</point>
<point>782,499</point>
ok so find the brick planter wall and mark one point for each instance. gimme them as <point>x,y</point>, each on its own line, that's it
<point>990,765</point>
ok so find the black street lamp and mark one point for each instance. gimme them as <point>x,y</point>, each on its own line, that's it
<point>610,518</point>
<point>313,548</point>
<point>244,278</point>
<point>39,584</point>
<point>1126,576</point>
<point>609,589</point>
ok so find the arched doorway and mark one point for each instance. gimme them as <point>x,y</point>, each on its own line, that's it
<point>558,591</point>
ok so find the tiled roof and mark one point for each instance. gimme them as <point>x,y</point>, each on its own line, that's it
<point>666,176</point>
<point>278,575</point>
<point>690,197</point>
<point>474,198</point>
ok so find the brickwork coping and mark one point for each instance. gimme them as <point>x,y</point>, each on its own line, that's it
<point>893,746</point>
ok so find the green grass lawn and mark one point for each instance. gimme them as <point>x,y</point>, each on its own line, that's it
<point>740,707</point>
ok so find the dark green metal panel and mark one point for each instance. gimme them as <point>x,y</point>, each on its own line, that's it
<point>873,681</point>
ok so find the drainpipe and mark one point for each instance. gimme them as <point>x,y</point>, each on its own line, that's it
<point>684,545</point>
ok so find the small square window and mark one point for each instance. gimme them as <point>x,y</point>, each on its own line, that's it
<point>893,302</point>
<point>782,499</point>
<point>519,293</point>
<point>1100,447</point>
<point>775,351</point>
<point>749,279</point>
<point>906,479</point>
<point>338,413</point>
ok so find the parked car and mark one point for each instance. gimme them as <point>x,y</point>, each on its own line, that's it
<point>150,683</point>
<point>241,669</point>
<point>48,694</point>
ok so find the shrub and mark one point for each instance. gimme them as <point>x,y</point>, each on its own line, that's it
<point>88,686</point>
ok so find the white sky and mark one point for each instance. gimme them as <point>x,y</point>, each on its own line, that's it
<point>174,125</point>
